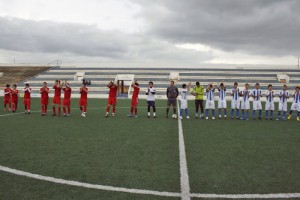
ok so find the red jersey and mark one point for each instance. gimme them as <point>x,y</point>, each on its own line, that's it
<point>14,94</point>
<point>67,93</point>
<point>27,92</point>
<point>136,90</point>
<point>44,93</point>
<point>84,93</point>
<point>57,91</point>
<point>7,93</point>
<point>113,91</point>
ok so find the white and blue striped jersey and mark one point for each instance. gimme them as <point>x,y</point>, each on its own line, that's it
<point>296,97</point>
<point>270,96</point>
<point>183,94</point>
<point>245,94</point>
<point>210,94</point>
<point>282,98</point>
<point>222,94</point>
<point>256,94</point>
<point>235,94</point>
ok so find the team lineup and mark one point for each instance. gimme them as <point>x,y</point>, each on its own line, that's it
<point>240,100</point>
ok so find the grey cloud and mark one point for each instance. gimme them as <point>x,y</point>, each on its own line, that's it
<point>45,37</point>
<point>268,27</point>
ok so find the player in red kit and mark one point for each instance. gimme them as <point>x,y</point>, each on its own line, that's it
<point>14,98</point>
<point>27,90</point>
<point>7,97</point>
<point>56,99</point>
<point>83,99</point>
<point>44,91</point>
<point>67,99</point>
<point>112,98</point>
<point>135,99</point>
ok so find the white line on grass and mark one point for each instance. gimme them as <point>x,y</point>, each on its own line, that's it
<point>184,176</point>
<point>248,196</point>
<point>18,113</point>
<point>87,185</point>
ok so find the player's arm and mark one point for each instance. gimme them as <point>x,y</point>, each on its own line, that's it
<point>167,93</point>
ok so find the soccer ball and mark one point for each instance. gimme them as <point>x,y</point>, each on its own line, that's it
<point>174,116</point>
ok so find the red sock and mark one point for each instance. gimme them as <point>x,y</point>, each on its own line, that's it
<point>69,110</point>
<point>64,109</point>
<point>80,108</point>
<point>53,108</point>
<point>13,107</point>
<point>46,108</point>
<point>114,109</point>
<point>84,109</point>
<point>131,110</point>
<point>135,110</point>
<point>107,108</point>
<point>28,107</point>
<point>43,109</point>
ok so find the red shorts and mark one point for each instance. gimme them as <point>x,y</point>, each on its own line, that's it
<point>56,100</point>
<point>14,101</point>
<point>112,101</point>
<point>67,102</point>
<point>83,102</point>
<point>45,101</point>
<point>134,101</point>
<point>26,102</point>
<point>6,101</point>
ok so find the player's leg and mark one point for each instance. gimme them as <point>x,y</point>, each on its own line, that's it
<point>291,110</point>
<point>154,109</point>
<point>28,106</point>
<point>298,112</point>
<point>148,108</point>
<point>232,109</point>
<point>201,108</point>
<point>174,104</point>
<point>197,104</point>
<point>168,107</point>
<point>114,107</point>
<point>254,110</point>
<point>225,109</point>
<point>213,109</point>
<point>109,102</point>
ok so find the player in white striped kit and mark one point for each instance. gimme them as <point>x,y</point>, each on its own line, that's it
<point>245,102</point>
<point>235,101</point>
<point>270,102</point>
<point>210,103</point>
<point>284,95</point>
<point>222,100</point>
<point>184,101</point>
<point>296,104</point>
<point>257,94</point>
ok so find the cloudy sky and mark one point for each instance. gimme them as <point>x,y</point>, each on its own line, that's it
<point>156,32</point>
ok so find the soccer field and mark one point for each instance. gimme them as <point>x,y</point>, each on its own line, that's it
<point>116,155</point>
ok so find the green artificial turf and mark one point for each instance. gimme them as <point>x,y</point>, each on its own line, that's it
<point>223,156</point>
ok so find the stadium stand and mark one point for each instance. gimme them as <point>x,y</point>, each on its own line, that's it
<point>160,76</point>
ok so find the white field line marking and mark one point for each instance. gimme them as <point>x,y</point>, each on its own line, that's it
<point>147,192</point>
<point>248,196</point>
<point>184,176</point>
<point>87,185</point>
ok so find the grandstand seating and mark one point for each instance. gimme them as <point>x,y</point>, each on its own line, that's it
<point>100,76</point>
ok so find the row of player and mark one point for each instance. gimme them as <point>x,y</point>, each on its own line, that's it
<point>239,100</point>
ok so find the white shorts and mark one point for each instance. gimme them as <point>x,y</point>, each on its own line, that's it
<point>295,106</point>
<point>210,104</point>
<point>257,105</point>
<point>222,103</point>
<point>269,106</point>
<point>183,103</point>
<point>282,106</point>
<point>235,104</point>
<point>245,105</point>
